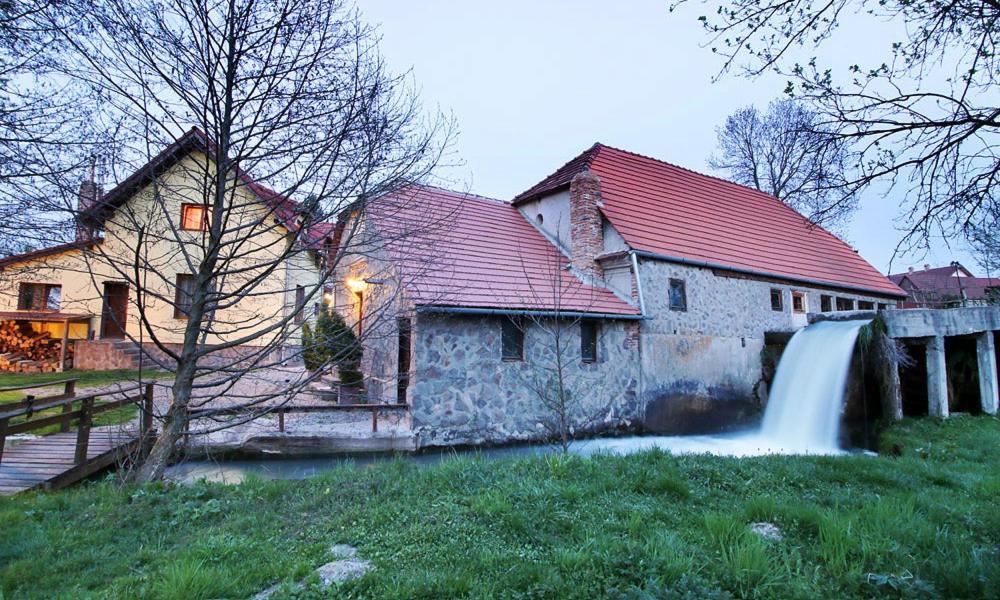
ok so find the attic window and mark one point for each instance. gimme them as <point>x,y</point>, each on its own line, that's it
<point>540,218</point>
<point>194,217</point>
<point>678,295</point>
<point>777,302</point>
<point>798,302</point>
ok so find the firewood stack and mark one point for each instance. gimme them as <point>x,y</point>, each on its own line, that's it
<point>23,350</point>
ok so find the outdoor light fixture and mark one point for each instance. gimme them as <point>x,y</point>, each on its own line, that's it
<point>328,298</point>
<point>356,285</point>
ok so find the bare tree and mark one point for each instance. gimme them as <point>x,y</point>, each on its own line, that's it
<point>288,99</point>
<point>923,117</point>
<point>45,137</point>
<point>784,152</point>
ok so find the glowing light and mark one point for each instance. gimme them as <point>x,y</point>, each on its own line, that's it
<point>356,285</point>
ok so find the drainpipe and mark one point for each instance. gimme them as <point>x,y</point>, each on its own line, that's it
<point>642,310</point>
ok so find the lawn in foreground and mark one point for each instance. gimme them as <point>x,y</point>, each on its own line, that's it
<point>926,524</point>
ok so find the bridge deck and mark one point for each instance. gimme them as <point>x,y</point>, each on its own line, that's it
<point>47,462</point>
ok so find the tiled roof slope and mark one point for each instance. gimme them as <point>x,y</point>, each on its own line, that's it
<point>942,281</point>
<point>460,250</point>
<point>670,211</point>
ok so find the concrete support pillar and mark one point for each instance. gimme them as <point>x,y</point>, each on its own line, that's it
<point>888,375</point>
<point>937,378</point>
<point>987,360</point>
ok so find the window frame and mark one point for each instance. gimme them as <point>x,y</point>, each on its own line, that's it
<point>300,305</point>
<point>590,331</point>
<point>826,303</point>
<point>512,326</point>
<point>780,295</point>
<point>46,289</point>
<point>206,220</point>
<point>681,285</point>
<point>850,302</point>
<point>178,290</point>
<point>805,306</point>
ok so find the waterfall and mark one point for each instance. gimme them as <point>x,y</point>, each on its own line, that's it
<point>807,397</point>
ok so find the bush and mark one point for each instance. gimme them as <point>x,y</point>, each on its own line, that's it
<point>333,343</point>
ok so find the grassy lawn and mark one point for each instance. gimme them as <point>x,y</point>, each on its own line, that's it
<point>85,379</point>
<point>650,525</point>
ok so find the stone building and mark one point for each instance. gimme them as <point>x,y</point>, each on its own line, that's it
<point>640,289</point>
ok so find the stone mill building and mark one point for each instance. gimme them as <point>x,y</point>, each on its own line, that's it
<point>642,290</point>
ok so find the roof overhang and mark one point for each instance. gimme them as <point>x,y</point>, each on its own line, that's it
<point>522,312</point>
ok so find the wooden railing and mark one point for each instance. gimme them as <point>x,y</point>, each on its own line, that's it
<point>84,415</point>
<point>312,408</point>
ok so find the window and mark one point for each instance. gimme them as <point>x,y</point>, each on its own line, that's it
<point>825,303</point>
<point>678,295</point>
<point>883,306</point>
<point>194,217</point>
<point>845,304</point>
<point>588,340</point>
<point>183,295</point>
<point>866,305</point>
<point>512,339</point>
<point>798,302</point>
<point>300,304</point>
<point>404,342</point>
<point>777,302</point>
<point>39,296</point>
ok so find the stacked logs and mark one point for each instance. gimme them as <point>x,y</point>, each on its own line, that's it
<point>24,350</point>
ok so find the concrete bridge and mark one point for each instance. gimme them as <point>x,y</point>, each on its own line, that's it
<point>934,329</point>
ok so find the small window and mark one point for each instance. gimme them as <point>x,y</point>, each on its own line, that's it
<point>883,306</point>
<point>183,295</point>
<point>588,340</point>
<point>825,303</point>
<point>540,218</point>
<point>777,302</point>
<point>512,339</point>
<point>39,296</point>
<point>194,217</point>
<point>798,302</point>
<point>866,305</point>
<point>678,295</point>
<point>300,304</point>
<point>845,304</point>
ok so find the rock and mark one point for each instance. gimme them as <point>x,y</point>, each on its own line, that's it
<point>768,531</point>
<point>345,568</point>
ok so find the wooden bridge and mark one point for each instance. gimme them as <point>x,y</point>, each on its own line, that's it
<point>58,459</point>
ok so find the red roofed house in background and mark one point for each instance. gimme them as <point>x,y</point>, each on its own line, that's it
<point>666,279</point>
<point>946,287</point>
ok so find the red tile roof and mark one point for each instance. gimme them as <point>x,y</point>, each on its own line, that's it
<point>942,282</point>
<point>460,250</point>
<point>50,251</point>
<point>679,214</point>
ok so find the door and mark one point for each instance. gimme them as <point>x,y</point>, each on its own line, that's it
<point>403,363</point>
<point>115,310</point>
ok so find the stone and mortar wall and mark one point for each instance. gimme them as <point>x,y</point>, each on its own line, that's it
<point>702,367</point>
<point>464,393</point>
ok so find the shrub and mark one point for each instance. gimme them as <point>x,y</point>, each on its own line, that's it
<point>333,343</point>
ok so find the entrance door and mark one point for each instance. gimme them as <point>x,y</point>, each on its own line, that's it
<point>114,311</point>
<point>403,369</point>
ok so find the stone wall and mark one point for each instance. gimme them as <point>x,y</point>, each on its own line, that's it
<point>102,355</point>
<point>464,393</point>
<point>702,367</point>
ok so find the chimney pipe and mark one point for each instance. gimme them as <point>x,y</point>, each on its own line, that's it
<point>586,234</point>
<point>88,198</point>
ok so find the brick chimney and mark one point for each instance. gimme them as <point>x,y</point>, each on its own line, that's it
<point>89,196</point>
<point>586,234</point>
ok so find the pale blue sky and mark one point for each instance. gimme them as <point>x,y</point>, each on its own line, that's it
<point>532,84</point>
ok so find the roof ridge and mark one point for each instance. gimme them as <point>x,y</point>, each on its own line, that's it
<point>469,195</point>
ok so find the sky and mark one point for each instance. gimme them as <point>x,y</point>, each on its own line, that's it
<point>531,84</point>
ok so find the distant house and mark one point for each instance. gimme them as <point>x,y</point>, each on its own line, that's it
<point>667,279</point>
<point>946,287</point>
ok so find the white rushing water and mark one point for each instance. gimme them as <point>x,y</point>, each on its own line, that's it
<point>803,409</point>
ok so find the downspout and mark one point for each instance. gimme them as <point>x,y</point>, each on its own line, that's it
<point>642,311</point>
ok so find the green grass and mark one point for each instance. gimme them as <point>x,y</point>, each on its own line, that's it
<point>924,525</point>
<point>86,379</point>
